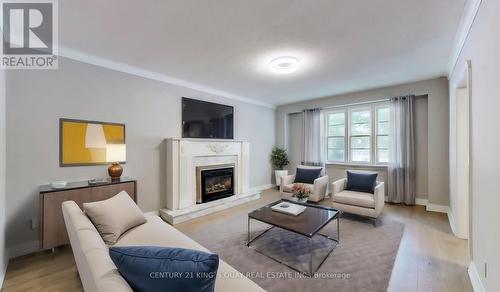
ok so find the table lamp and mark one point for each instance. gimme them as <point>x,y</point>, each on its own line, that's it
<point>115,154</point>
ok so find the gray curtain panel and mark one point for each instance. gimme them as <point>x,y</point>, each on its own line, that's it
<point>401,173</point>
<point>312,145</point>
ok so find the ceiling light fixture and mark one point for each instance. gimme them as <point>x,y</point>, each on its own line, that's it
<point>284,65</point>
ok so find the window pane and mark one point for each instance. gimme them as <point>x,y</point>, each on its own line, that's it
<point>360,117</point>
<point>383,128</point>
<point>383,114</point>
<point>383,156</point>
<point>383,142</point>
<point>336,155</point>
<point>360,142</point>
<point>359,155</point>
<point>336,119</point>
<point>336,143</point>
<point>360,129</point>
<point>336,130</point>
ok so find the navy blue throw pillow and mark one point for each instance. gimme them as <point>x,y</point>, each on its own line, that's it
<point>151,268</point>
<point>307,175</point>
<point>361,182</point>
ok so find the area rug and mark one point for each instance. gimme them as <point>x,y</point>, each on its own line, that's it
<point>362,261</point>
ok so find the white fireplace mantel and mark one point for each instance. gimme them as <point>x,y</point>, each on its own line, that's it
<point>184,156</point>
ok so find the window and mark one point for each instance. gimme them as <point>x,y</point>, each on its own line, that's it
<point>358,134</point>
<point>336,137</point>
<point>382,134</point>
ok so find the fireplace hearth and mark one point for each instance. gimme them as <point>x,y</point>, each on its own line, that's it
<point>214,183</point>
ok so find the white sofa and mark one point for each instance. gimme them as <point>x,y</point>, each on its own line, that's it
<point>98,272</point>
<point>359,203</point>
<point>319,188</point>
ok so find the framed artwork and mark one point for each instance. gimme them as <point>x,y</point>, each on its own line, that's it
<point>90,143</point>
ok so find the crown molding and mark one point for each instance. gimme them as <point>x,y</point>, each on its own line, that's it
<point>137,71</point>
<point>467,20</point>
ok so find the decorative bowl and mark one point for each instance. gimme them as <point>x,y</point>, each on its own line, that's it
<point>58,184</point>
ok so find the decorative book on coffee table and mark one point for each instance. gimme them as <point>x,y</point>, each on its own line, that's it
<point>289,208</point>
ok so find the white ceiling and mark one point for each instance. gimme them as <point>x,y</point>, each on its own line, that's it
<point>225,45</point>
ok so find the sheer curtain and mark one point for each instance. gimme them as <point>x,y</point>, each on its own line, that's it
<point>312,133</point>
<point>401,172</point>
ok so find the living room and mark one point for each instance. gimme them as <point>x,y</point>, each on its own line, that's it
<point>286,145</point>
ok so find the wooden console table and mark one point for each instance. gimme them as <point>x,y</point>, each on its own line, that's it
<point>52,228</point>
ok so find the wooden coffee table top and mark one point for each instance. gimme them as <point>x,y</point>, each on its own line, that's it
<point>308,223</point>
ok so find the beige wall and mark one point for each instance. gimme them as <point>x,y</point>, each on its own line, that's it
<point>482,48</point>
<point>432,131</point>
<point>3,254</point>
<point>151,110</point>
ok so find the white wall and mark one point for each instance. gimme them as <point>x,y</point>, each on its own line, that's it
<point>151,110</point>
<point>3,255</point>
<point>482,47</point>
<point>431,118</point>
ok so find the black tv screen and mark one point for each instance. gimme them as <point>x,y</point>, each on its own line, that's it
<point>202,119</point>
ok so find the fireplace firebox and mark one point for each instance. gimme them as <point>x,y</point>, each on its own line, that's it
<point>214,183</point>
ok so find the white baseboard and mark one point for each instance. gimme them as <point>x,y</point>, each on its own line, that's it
<point>437,208</point>
<point>154,213</point>
<point>475,280</point>
<point>451,219</point>
<point>263,187</point>
<point>421,202</point>
<point>23,249</point>
<point>4,270</point>
<point>429,206</point>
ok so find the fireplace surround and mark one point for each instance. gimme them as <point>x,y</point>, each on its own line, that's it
<point>186,158</point>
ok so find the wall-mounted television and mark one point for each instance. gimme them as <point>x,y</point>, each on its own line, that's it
<point>202,119</point>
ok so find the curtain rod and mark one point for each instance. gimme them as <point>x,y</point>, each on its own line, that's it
<point>357,103</point>
<point>345,105</point>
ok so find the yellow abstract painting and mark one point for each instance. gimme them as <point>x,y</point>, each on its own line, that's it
<point>85,142</point>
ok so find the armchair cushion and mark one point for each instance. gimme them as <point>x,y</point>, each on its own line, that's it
<point>307,175</point>
<point>360,199</point>
<point>361,182</point>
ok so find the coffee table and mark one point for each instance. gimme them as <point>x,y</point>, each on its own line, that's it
<point>307,224</point>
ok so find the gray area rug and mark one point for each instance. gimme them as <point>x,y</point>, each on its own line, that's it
<point>362,261</point>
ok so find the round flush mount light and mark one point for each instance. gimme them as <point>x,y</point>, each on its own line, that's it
<point>284,65</point>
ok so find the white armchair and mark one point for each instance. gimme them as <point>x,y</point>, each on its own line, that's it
<point>319,188</point>
<point>359,203</point>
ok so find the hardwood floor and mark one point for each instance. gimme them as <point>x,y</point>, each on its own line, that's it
<point>430,258</point>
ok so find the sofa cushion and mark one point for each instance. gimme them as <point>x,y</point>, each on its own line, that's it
<point>153,268</point>
<point>361,182</point>
<point>114,216</point>
<point>360,199</point>
<point>307,175</point>
<point>158,233</point>
<point>289,187</point>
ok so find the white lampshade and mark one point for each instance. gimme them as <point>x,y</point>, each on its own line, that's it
<point>94,137</point>
<point>116,153</point>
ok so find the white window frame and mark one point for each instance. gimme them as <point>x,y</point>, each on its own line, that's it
<point>349,131</point>
<point>346,138</point>
<point>376,108</point>
<point>347,110</point>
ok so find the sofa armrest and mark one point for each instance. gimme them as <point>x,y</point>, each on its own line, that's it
<point>379,196</point>
<point>338,186</point>
<point>286,180</point>
<point>319,189</point>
